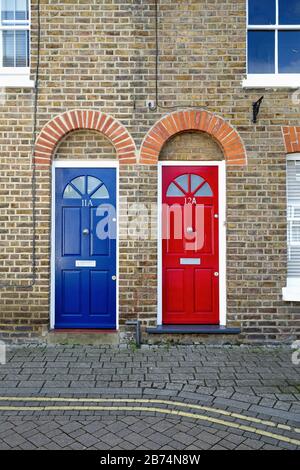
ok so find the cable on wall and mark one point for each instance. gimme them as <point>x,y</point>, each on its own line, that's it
<point>157,100</point>
<point>33,177</point>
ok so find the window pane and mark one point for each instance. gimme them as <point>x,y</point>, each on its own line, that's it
<point>93,183</point>
<point>101,193</point>
<point>79,183</point>
<point>8,48</point>
<point>289,11</point>
<point>183,181</point>
<point>70,193</point>
<point>261,48</point>
<point>205,190</point>
<point>261,12</point>
<point>7,12</point>
<point>195,182</point>
<point>289,51</point>
<point>21,48</point>
<point>174,191</point>
<point>21,10</point>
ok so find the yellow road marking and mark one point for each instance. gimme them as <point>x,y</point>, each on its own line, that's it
<point>284,426</point>
<point>165,411</point>
<point>150,401</point>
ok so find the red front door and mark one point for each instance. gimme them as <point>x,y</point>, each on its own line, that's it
<point>190,245</point>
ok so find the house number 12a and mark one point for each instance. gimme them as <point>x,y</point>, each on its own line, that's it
<point>190,200</point>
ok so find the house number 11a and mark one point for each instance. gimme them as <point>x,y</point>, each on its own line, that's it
<point>86,203</point>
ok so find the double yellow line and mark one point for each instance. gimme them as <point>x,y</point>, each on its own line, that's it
<point>72,406</point>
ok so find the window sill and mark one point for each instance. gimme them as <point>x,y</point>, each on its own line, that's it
<point>272,81</point>
<point>10,79</point>
<point>291,293</point>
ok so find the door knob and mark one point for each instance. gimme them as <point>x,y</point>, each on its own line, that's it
<point>189,229</point>
<point>85,231</point>
<point>114,278</point>
<point>216,274</point>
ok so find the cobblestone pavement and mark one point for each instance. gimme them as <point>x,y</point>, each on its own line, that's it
<point>156,398</point>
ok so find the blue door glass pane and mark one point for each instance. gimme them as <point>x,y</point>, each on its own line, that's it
<point>289,52</point>
<point>79,184</point>
<point>101,193</point>
<point>92,184</point>
<point>261,12</point>
<point>71,193</point>
<point>289,12</point>
<point>261,52</point>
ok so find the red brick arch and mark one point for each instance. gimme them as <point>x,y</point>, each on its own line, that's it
<point>291,136</point>
<point>193,120</point>
<point>54,131</point>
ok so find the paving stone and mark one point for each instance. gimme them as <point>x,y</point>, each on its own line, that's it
<point>274,412</point>
<point>88,440</point>
<point>224,402</point>
<point>208,437</point>
<point>184,438</point>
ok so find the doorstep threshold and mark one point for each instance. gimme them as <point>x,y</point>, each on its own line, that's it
<point>83,336</point>
<point>193,329</point>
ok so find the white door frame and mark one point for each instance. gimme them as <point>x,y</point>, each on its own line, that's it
<point>222,234</point>
<point>80,164</point>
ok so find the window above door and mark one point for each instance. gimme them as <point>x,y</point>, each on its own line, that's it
<point>15,21</point>
<point>86,186</point>
<point>189,184</point>
<point>273,43</point>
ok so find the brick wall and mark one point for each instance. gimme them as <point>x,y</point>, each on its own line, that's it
<point>85,145</point>
<point>101,56</point>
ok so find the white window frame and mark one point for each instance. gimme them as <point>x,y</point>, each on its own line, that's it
<point>15,77</point>
<point>270,80</point>
<point>292,290</point>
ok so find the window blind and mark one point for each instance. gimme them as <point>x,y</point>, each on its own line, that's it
<point>15,26</point>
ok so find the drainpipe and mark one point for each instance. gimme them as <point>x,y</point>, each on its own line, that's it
<point>138,334</point>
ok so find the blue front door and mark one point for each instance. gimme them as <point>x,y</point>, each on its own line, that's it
<point>85,248</point>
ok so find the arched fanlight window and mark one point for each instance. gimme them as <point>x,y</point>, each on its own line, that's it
<point>189,184</point>
<point>83,186</point>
